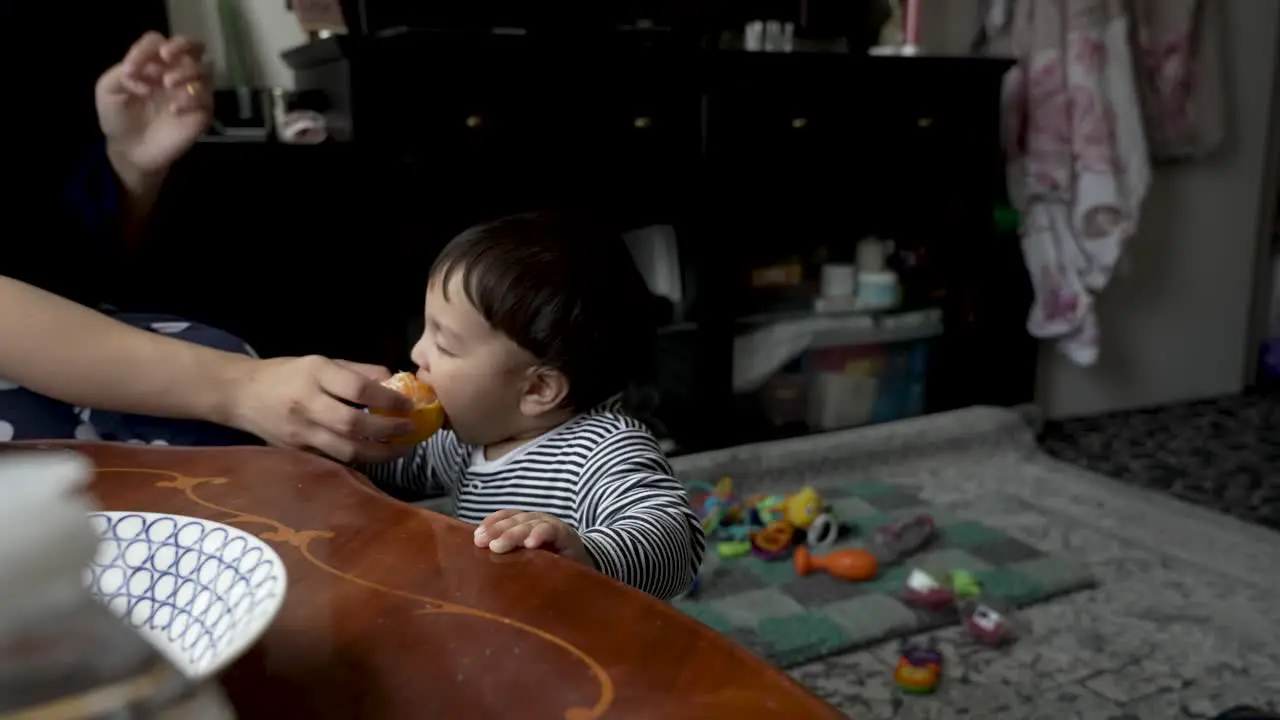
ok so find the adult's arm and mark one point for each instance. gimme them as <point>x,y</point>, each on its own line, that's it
<point>66,351</point>
<point>138,194</point>
<point>111,201</point>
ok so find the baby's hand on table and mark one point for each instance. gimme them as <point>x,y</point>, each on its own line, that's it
<point>507,530</point>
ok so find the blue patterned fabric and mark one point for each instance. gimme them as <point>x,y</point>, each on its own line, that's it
<point>25,415</point>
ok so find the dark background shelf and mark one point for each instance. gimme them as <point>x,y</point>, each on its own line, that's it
<point>746,155</point>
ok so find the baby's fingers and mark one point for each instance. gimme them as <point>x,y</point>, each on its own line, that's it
<point>544,533</point>
<point>493,526</point>
<point>512,539</point>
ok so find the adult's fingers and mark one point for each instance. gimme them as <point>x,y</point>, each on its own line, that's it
<point>180,46</point>
<point>191,89</point>
<point>180,76</point>
<point>376,373</point>
<point>144,49</point>
<point>348,450</point>
<point>349,422</point>
<point>344,383</point>
<point>375,452</point>
<point>143,61</point>
<point>334,446</point>
<point>140,69</point>
<point>117,81</point>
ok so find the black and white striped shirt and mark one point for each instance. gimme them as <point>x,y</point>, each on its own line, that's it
<point>601,473</point>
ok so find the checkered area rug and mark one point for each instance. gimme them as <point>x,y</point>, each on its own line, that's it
<point>790,620</point>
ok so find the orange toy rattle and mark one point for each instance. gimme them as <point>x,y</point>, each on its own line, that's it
<point>427,415</point>
<point>850,564</point>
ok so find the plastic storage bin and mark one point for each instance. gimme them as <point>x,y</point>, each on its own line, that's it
<point>870,370</point>
<point>861,384</point>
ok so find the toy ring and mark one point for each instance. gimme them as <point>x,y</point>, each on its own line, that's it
<point>775,538</point>
<point>823,533</point>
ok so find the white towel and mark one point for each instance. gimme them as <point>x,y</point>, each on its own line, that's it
<point>1076,129</point>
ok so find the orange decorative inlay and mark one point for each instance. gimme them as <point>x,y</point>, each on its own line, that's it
<point>301,539</point>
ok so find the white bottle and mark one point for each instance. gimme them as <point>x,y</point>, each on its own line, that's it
<point>58,646</point>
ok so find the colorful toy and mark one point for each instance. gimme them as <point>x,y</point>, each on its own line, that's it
<point>715,505</point>
<point>986,620</point>
<point>919,668</point>
<point>986,624</point>
<point>964,585</point>
<point>733,549</point>
<point>768,526</point>
<point>894,542</point>
<point>923,590</point>
<point>803,508</point>
<point>849,564</point>
<point>774,541</point>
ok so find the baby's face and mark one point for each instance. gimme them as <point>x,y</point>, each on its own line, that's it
<point>477,372</point>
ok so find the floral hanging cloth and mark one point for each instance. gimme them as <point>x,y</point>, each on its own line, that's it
<point>1102,89</point>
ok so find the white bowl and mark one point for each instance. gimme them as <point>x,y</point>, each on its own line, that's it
<point>201,592</point>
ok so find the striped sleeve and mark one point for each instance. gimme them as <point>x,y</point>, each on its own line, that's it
<point>432,469</point>
<point>634,516</point>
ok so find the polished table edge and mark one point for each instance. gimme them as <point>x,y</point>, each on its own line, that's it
<point>741,654</point>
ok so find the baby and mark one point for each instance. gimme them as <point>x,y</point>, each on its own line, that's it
<point>534,327</point>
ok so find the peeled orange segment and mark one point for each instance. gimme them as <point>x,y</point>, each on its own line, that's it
<point>427,415</point>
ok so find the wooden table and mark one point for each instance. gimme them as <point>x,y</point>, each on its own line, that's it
<point>392,612</point>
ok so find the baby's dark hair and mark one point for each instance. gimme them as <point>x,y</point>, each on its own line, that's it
<point>564,289</point>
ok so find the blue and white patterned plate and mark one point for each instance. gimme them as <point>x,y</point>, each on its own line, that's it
<point>200,591</point>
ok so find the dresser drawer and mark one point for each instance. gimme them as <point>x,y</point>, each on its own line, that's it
<point>770,129</point>
<point>641,130</point>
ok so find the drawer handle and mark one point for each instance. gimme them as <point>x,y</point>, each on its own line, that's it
<point>474,121</point>
<point>642,122</point>
<point>799,123</point>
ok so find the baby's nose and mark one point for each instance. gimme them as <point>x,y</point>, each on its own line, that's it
<point>419,357</point>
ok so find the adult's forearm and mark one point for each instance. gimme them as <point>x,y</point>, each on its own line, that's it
<point>138,194</point>
<point>66,351</point>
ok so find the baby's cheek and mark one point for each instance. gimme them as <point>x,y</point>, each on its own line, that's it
<point>446,399</point>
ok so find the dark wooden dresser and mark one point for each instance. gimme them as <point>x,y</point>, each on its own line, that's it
<point>750,157</point>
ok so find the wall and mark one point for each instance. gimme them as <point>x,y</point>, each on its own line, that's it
<point>1177,326</point>
<point>268,27</point>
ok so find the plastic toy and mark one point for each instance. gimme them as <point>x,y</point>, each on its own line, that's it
<point>986,624</point>
<point>756,523</point>
<point>803,508</point>
<point>965,585</point>
<point>733,549</point>
<point>822,533</point>
<point>988,621</point>
<point>774,541</point>
<point>892,543</point>
<point>923,590</point>
<point>716,505</point>
<point>849,564</point>
<point>919,668</point>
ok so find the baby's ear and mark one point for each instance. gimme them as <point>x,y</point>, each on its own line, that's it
<point>545,391</point>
